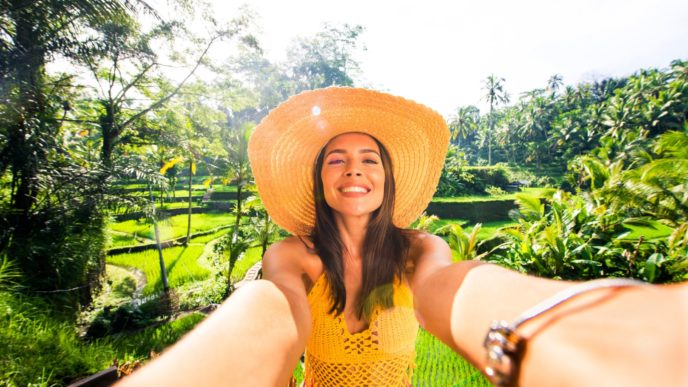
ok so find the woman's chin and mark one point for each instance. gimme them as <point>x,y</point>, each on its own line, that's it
<point>359,214</point>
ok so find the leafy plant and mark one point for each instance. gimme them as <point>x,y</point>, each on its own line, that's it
<point>578,239</point>
<point>462,243</point>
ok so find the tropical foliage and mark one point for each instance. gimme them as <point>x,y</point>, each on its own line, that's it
<point>94,131</point>
<point>630,223</point>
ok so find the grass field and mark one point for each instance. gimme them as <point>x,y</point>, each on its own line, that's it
<point>438,365</point>
<point>118,239</point>
<point>181,264</point>
<point>654,230</point>
<point>183,186</point>
<point>172,227</point>
<point>210,237</point>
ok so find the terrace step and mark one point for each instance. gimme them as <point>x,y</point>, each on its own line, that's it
<point>168,243</point>
<point>254,273</point>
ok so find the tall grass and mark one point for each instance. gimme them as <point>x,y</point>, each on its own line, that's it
<point>438,365</point>
<point>117,239</point>
<point>37,348</point>
<point>181,264</point>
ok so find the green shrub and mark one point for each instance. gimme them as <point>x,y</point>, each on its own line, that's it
<point>62,256</point>
<point>571,238</point>
<point>494,191</point>
<point>461,180</point>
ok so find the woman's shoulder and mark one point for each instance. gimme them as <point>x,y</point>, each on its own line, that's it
<point>427,254</point>
<point>421,242</point>
<point>295,253</point>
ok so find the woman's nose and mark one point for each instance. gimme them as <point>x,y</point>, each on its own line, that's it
<point>352,170</point>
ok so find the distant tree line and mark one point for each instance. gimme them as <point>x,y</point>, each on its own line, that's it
<point>550,126</point>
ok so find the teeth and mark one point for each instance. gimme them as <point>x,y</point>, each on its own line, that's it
<point>354,189</point>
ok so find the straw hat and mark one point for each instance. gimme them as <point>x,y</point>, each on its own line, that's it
<point>283,148</point>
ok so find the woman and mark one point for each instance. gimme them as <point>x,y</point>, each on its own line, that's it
<point>358,168</point>
<point>345,171</point>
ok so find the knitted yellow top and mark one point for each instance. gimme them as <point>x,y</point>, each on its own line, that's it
<point>381,355</point>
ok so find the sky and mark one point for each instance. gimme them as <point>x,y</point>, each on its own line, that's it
<point>439,52</point>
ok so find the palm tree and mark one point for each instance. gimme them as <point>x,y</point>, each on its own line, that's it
<point>240,171</point>
<point>554,83</point>
<point>495,95</point>
<point>464,123</point>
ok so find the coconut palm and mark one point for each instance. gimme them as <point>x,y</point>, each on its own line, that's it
<point>464,123</point>
<point>495,95</point>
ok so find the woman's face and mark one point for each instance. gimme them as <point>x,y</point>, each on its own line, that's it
<point>352,174</point>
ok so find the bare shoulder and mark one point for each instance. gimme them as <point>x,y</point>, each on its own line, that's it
<point>427,254</point>
<point>284,254</point>
<point>423,244</point>
<point>292,256</point>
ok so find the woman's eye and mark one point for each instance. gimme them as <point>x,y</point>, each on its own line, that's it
<point>370,161</point>
<point>335,161</point>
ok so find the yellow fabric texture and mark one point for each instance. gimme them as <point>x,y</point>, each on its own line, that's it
<point>381,355</point>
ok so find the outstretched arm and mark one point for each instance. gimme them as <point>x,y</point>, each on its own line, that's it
<point>254,339</point>
<point>632,336</point>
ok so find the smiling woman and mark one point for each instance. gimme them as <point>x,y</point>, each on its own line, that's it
<point>353,264</point>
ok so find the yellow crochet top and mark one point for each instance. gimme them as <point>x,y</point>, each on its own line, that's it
<point>381,355</point>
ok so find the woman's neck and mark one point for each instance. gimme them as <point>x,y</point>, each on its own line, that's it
<point>352,232</point>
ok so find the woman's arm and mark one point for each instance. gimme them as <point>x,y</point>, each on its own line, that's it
<point>254,339</point>
<point>631,336</point>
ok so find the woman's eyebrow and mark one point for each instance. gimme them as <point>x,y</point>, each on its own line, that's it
<point>366,150</point>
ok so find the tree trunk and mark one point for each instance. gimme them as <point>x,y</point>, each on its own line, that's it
<point>107,126</point>
<point>163,270</point>
<point>188,224</point>
<point>266,234</point>
<point>489,136</point>
<point>26,66</point>
<point>237,208</point>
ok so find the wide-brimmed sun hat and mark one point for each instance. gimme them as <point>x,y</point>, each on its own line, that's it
<point>283,148</point>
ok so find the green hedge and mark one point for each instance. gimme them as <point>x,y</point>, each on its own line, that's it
<point>465,180</point>
<point>473,212</point>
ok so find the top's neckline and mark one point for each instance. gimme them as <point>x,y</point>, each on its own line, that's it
<point>340,318</point>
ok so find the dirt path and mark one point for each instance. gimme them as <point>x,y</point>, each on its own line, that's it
<point>205,258</point>
<point>141,282</point>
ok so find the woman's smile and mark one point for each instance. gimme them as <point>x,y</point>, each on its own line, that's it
<point>354,190</point>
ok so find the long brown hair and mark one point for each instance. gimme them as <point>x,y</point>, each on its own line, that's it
<point>385,246</point>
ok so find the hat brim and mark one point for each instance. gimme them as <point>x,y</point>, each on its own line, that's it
<point>283,148</point>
